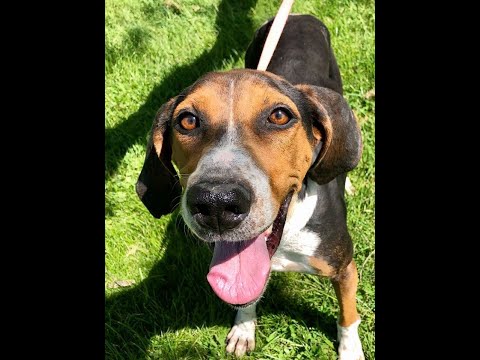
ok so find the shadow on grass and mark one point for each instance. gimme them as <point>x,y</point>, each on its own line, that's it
<point>235,30</point>
<point>175,295</point>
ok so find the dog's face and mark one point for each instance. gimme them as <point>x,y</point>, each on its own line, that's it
<point>243,142</point>
<point>238,137</point>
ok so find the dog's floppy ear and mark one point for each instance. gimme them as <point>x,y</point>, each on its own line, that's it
<point>337,129</point>
<point>158,186</point>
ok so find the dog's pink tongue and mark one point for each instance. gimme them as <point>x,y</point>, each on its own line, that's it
<point>239,270</point>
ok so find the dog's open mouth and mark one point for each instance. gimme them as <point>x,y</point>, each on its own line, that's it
<point>239,270</point>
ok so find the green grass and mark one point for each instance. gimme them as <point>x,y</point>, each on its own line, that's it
<point>158,303</point>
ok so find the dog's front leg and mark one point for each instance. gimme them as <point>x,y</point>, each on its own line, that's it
<point>345,284</point>
<point>241,337</point>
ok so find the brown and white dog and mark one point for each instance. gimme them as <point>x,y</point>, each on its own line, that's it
<point>262,158</point>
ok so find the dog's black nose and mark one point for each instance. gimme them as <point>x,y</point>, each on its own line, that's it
<point>218,206</point>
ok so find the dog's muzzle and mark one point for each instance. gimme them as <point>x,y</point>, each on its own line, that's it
<point>238,215</point>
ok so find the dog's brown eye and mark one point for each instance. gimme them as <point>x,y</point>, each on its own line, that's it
<point>189,122</point>
<point>279,117</point>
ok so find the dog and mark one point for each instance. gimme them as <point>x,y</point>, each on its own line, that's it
<point>262,158</point>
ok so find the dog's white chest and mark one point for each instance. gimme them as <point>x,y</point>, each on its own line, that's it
<point>298,243</point>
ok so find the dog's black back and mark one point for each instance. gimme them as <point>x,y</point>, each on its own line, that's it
<point>298,55</point>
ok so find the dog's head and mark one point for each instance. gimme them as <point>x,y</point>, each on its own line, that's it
<point>243,142</point>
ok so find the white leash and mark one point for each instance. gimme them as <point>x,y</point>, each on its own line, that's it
<point>274,34</point>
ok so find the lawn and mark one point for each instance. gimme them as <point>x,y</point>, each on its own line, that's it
<point>158,304</point>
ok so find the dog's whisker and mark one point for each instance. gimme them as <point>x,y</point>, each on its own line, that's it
<point>176,200</point>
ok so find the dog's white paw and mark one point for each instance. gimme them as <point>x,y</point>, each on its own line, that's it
<point>241,337</point>
<point>350,347</point>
